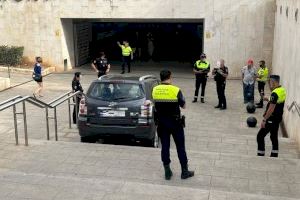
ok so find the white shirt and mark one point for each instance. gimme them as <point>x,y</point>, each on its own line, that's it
<point>249,75</point>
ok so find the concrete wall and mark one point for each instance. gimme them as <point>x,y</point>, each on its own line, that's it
<point>234,29</point>
<point>287,58</point>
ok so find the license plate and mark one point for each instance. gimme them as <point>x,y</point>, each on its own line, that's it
<point>112,113</point>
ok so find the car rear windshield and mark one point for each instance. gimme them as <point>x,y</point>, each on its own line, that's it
<point>116,91</point>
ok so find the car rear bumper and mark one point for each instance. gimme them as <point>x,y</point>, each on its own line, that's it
<point>141,131</point>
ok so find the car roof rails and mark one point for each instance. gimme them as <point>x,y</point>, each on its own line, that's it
<point>147,77</point>
<point>108,77</point>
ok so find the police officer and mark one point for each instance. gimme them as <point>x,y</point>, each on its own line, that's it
<point>220,75</point>
<point>272,117</point>
<point>168,101</point>
<point>76,86</point>
<point>127,55</point>
<point>201,69</point>
<point>101,65</point>
<point>263,74</point>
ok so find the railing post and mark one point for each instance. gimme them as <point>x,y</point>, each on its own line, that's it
<point>47,123</point>
<point>69,108</point>
<point>76,108</point>
<point>55,124</point>
<point>15,125</point>
<point>25,124</point>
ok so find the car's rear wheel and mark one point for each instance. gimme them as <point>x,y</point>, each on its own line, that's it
<point>89,139</point>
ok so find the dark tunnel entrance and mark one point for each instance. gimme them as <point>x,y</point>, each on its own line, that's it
<point>150,41</point>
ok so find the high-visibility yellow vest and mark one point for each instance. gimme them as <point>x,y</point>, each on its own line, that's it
<point>126,51</point>
<point>165,93</point>
<point>264,73</point>
<point>281,93</point>
<point>201,65</point>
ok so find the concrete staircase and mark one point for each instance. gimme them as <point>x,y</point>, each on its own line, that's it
<point>65,170</point>
<point>221,150</point>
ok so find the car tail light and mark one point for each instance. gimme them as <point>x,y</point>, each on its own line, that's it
<point>82,107</point>
<point>147,109</point>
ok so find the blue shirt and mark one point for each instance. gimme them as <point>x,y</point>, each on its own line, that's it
<point>37,68</point>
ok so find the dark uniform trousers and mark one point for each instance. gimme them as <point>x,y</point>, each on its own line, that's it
<point>271,127</point>
<point>200,80</point>
<point>168,126</point>
<point>101,74</point>
<point>221,93</point>
<point>74,110</point>
<point>126,61</point>
<point>261,90</point>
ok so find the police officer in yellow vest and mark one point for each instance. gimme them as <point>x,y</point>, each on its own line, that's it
<point>201,69</point>
<point>263,74</point>
<point>168,101</point>
<point>272,117</point>
<point>127,55</point>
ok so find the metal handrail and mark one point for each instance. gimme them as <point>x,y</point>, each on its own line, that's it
<point>294,104</point>
<point>10,100</point>
<point>12,103</point>
<point>60,97</point>
<point>57,102</point>
<point>52,105</point>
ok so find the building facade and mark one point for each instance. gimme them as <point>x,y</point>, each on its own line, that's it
<point>286,59</point>
<point>233,29</point>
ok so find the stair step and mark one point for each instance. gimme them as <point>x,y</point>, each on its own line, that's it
<point>17,185</point>
<point>214,171</point>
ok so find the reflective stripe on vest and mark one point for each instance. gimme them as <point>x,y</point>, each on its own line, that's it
<point>264,73</point>
<point>202,65</point>
<point>165,93</point>
<point>281,93</point>
<point>126,51</point>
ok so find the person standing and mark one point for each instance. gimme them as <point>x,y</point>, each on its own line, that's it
<point>101,65</point>
<point>262,78</point>
<point>76,86</point>
<point>150,48</point>
<point>168,101</point>
<point>272,117</point>
<point>201,69</point>
<point>220,75</point>
<point>37,76</point>
<point>249,76</point>
<point>127,55</point>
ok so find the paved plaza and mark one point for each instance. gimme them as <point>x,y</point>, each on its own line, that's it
<point>220,146</point>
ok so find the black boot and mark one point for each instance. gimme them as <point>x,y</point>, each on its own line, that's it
<point>168,172</point>
<point>195,100</point>
<point>218,106</point>
<point>185,173</point>
<point>202,100</point>
<point>260,104</point>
